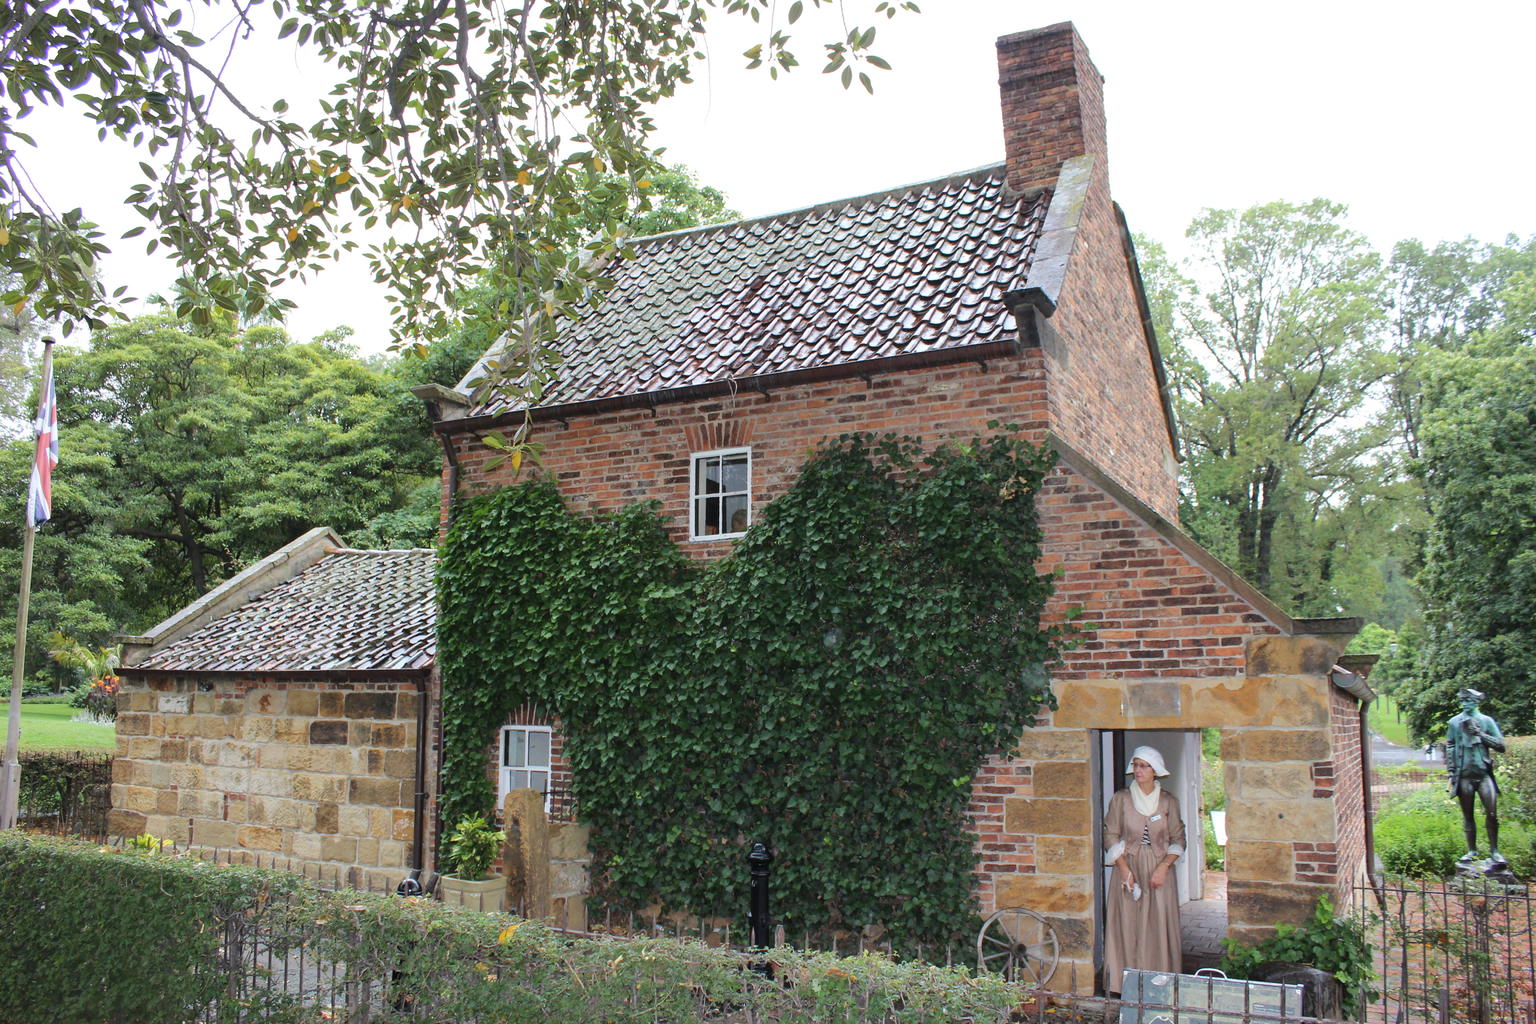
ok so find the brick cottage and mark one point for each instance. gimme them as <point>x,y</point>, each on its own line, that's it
<point>1009,293</point>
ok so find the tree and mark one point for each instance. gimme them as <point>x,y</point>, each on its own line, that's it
<point>479,134</point>
<point>218,447</point>
<point>1479,469</point>
<point>1273,349</point>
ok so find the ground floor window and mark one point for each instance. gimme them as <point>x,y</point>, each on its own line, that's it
<point>524,760</point>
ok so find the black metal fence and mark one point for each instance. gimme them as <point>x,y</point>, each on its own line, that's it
<point>65,793</point>
<point>1457,952</point>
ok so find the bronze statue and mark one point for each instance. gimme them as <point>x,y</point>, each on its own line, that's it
<point>1470,744</point>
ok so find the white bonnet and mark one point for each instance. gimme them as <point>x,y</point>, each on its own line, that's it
<point>1149,755</point>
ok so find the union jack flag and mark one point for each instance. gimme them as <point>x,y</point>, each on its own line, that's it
<point>40,499</point>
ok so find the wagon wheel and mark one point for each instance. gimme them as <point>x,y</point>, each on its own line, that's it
<point>1019,944</point>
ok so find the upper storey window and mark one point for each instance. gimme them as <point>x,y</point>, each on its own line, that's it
<point>720,494</point>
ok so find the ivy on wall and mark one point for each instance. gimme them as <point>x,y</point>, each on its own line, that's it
<point>831,687</point>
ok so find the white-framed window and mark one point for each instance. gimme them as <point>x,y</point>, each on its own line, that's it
<point>524,761</point>
<point>720,494</point>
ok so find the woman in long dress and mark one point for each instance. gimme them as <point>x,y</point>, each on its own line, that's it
<point>1143,836</point>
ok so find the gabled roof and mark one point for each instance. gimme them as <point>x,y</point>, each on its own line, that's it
<point>349,611</point>
<point>918,270</point>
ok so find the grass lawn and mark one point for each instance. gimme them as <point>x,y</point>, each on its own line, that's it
<point>1384,722</point>
<point>48,727</point>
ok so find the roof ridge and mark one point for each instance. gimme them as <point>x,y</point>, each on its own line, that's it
<point>984,171</point>
<point>330,550</point>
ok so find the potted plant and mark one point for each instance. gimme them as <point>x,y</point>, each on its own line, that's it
<point>470,850</point>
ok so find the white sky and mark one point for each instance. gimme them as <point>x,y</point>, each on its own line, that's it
<point>1418,117</point>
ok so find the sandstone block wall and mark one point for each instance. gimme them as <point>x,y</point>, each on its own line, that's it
<point>314,771</point>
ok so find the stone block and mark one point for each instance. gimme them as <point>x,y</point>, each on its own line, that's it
<point>202,703</point>
<point>166,802</point>
<point>1275,745</point>
<point>258,728</point>
<point>1061,779</point>
<point>275,811</point>
<point>402,825</point>
<point>166,826</point>
<point>1269,781</point>
<point>304,847</point>
<point>319,787</point>
<point>303,703</point>
<point>1062,855</point>
<point>292,731</point>
<point>1045,894</point>
<point>355,821</point>
<point>1259,862</point>
<point>367,851</point>
<point>328,731</point>
<point>568,840</point>
<point>392,855</point>
<point>369,705</point>
<point>332,704</point>
<point>1154,699</point>
<point>274,756</point>
<point>267,782</point>
<point>342,848</point>
<point>1284,702</point>
<point>1290,656</point>
<point>223,835</point>
<point>123,822</point>
<point>389,736</point>
<point>394,764</point>
<point>145,748</point>
<point>525,855</point>
<point>327,818</point>
<point>261,837</point>
<point>266,702</point>
<point>379,792</point>
<point>197,803</point>
<point>229,706</point>
<point>189,776</point>
<point>174,703</point>
<point>1259,905</point>
<point>1281,820</point>
<point>136,798</point>
<point>133,724</point>
<point>1032,816</point>
<point>1050,744</point>
<point>567,878</point>
<point>1090,704</point>
<point>211,727</point>
<point>173,750</point>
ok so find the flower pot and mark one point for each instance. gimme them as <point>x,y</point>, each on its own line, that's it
<point>488,895</point>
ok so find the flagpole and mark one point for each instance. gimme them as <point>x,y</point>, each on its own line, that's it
<point>10,775</point>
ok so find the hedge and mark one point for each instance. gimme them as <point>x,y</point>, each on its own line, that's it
<point>105,935</point>
<point>1420,836</point>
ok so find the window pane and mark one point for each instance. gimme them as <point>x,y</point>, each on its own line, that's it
<point>709,476</point>
<point>736,473</point>
<point>516,753</point>
<point>735,514</point>
<point>538,748</point>
<point>519,779</point>
<point>707,517</point>
<point>539,781</point>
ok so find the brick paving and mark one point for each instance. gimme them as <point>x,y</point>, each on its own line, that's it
<point>1204,924</point>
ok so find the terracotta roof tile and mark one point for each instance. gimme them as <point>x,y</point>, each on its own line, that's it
<point>352,611</point>
<point>916,270</point>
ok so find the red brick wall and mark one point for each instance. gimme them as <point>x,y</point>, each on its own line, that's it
<point>1103,391</point>
<point>1349,784</point>
<point>1156,611</point>
<point>604,462</point>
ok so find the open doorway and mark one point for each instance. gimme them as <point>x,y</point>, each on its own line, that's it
<point>1181,753</point>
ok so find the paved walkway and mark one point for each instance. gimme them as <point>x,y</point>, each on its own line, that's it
<point>1204,924</point>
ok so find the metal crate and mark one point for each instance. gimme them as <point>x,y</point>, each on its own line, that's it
<point>1209,997</point>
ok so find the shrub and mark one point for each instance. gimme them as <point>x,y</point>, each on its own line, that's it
<point>1419,835</point>
<point>95,935</point>
<point>1215,855</point>
<point>1335,945</point>
<point>471,848</point>
<point>1517,775</point>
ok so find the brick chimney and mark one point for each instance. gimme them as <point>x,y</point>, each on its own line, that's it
<point>1053,104</point>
